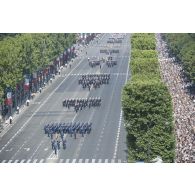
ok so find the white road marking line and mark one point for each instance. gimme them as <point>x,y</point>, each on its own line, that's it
<point>27,149</point>
<point>67,160</point>
<point>37,148</point>
<point>35,160</point>
<point>41,161</point>
<point>16,161</point>
<point>106,161</point>
<point>61,160</point>
<point>35,112</point>
<point>28,161</point>
<point>86,160</point>
<point>9,150</point>
<point>74,160</point>
<point>117,138</point>
<point>3,161</point>
<point>9,161</point>
<point>100,160</point>
<point>22,161</point>
<point>112,161</point>
<point>80,160</point>
<point>93,160</point>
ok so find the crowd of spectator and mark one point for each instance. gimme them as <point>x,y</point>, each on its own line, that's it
<point>183,103</point>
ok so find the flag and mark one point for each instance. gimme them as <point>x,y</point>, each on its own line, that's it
<point>26,84</point>
<point>8,100</point>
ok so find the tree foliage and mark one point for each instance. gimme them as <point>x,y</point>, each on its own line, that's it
<point>147,106</point>
<point>183,47</point>
<point>26,53</point>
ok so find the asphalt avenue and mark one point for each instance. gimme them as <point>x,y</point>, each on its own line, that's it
<point>25,142</point>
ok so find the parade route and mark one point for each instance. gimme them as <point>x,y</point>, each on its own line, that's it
<point>25,141</point>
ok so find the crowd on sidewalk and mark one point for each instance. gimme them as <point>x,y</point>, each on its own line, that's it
<point>183,103</point>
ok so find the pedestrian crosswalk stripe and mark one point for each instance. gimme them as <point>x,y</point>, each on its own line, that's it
<point>86,160</point>
<point>67,160</point>
<point>35,160</point>
<point>100,160</point>
<point>80,160</point>
<point>41,161</point>
<point>106,160</point>
<point>74,160</point>
<point>61,160</point>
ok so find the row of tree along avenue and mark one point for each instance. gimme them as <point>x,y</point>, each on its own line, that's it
<point>147,105</point>
<point>28,62</point>
<point>183,47</point>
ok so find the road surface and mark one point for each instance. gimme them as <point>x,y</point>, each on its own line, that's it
<point>25,142</point>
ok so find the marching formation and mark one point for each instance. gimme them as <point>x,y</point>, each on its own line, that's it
<point>57,131</point>
<point>82,103</point>
<point>93,80</point>
<point>109,51</point>
<point>94,62</point>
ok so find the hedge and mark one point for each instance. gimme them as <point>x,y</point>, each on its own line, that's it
<point>147,105</point>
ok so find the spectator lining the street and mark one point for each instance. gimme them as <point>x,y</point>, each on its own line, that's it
<point>183,103</point>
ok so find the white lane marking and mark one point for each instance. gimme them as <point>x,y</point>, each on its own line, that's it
<point>3,161</point>
<point>118,135</point>
<point>27,149</point>
<point>61,160</point>
<point>16,161</point>
<point>37,148</point>
<point>93,160</point>
<point>34,113</point>
<point>9,150</point>
<point>106,161</point>
<point>67,160</point>
<point>100,160</point>
<point>18,150</point>
<point>28,161</point>
<point>46,149</point>
<point>74,160</point>
<point>106,116</point>
<point>80,160</point>
<point>112,161</point>
<point>9,161</point>
<point>22,161</point>
<point>35,160</point>
<point>42,160</point>
<point>86,160</point>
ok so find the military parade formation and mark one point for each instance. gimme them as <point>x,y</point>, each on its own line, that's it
<point>57,132</point>
<point>93,80</point>
<point>82,103</point>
